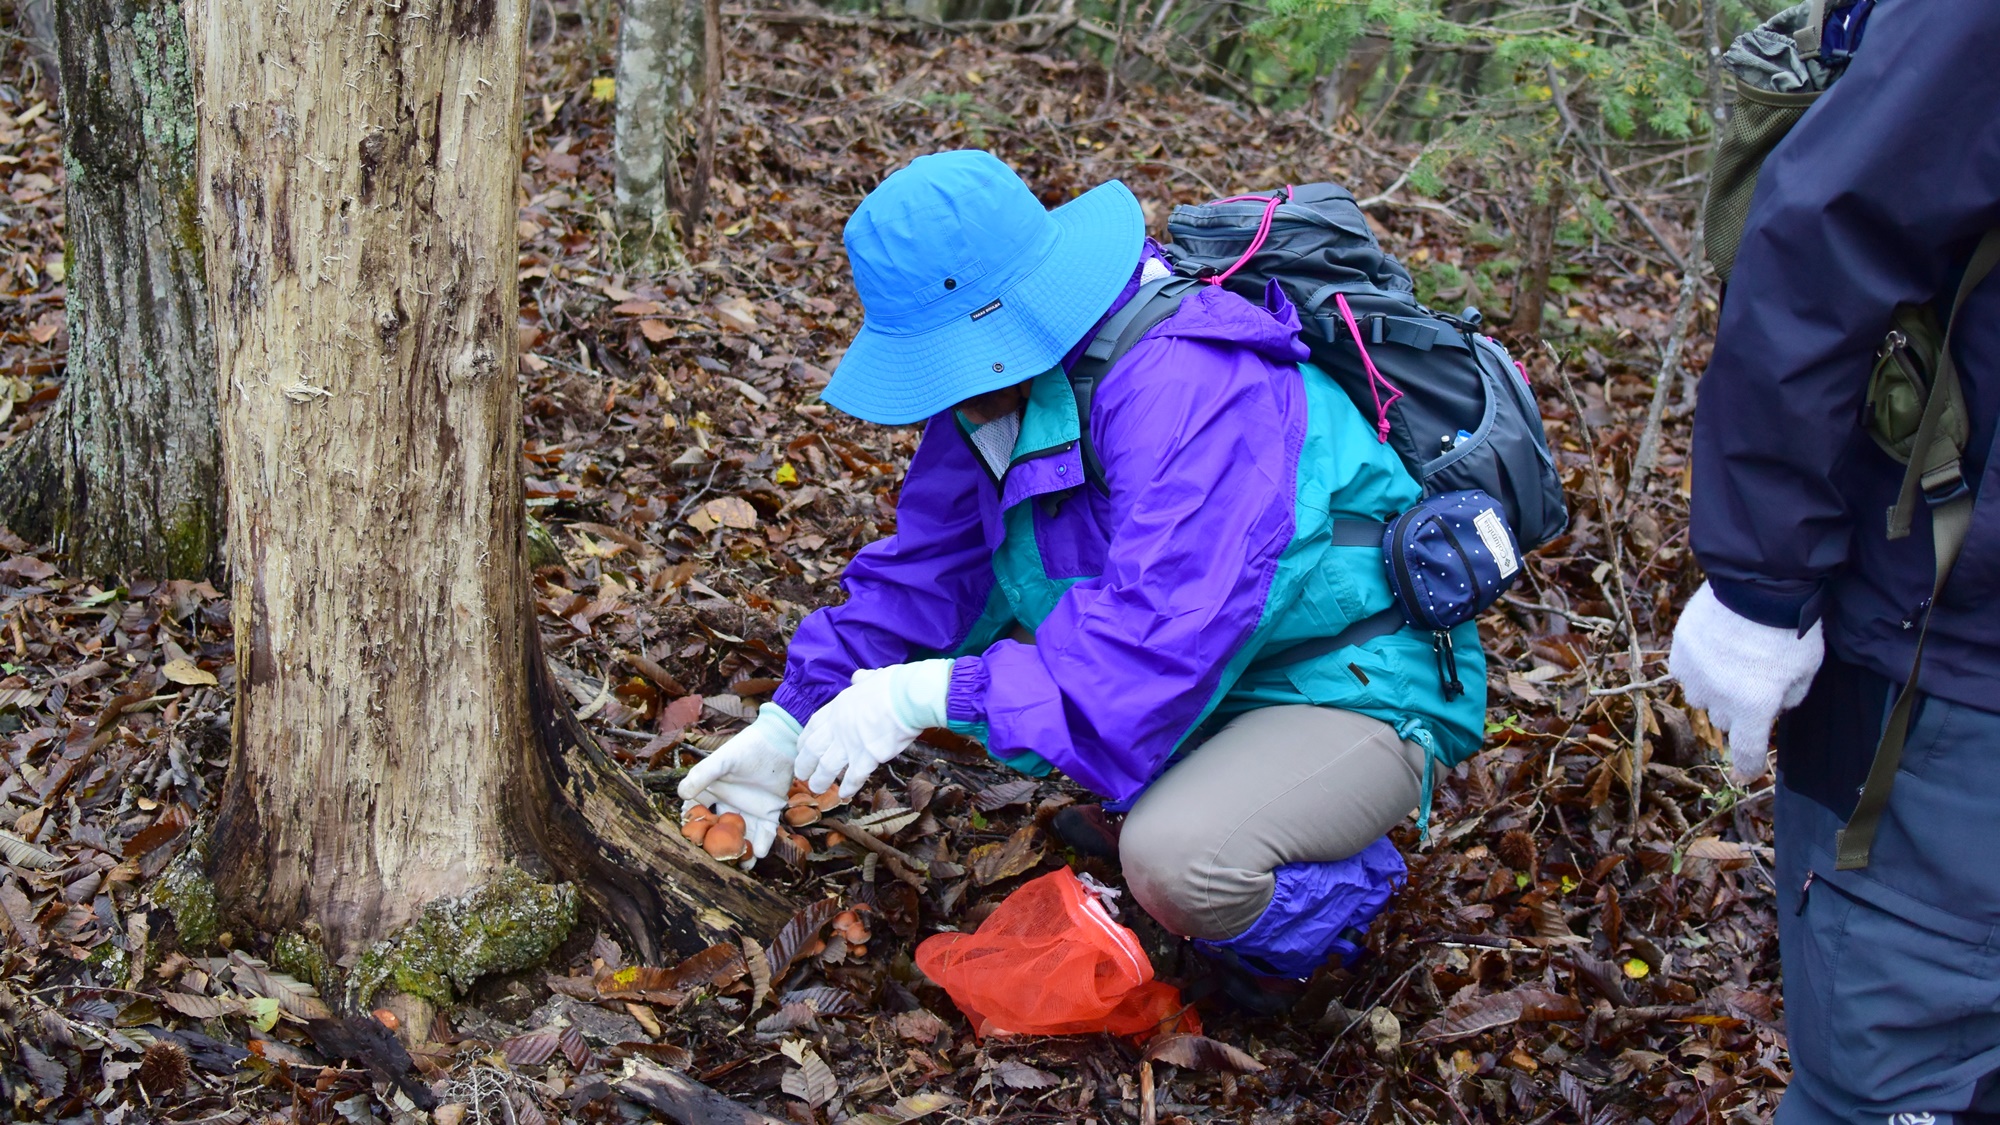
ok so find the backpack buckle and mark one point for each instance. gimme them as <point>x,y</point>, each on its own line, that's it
<point>1942,486</point>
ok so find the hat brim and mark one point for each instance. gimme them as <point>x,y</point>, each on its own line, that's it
<point>896,379</point>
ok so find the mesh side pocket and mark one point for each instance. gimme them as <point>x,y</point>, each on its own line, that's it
<point>1757,122</point>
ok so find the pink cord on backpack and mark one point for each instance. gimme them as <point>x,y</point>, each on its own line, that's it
<point>1263,229</point>
<point>1374,376</point>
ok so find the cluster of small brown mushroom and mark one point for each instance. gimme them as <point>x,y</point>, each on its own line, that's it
<point>852,929</point>
<point>722,836</point>
<point>805,807</point>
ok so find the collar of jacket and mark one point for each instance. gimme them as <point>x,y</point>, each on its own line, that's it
<point>1046,457</point>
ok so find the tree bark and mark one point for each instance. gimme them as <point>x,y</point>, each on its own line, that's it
<point>662,83</point>
<point>397,740</point>
<point>122,473</point>
<point>1531,288</point>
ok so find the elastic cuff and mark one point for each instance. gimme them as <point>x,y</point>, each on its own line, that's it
<point>965,701</point>
<point>1793,605</point>
<point>772,713</point>
<point>803,701</point>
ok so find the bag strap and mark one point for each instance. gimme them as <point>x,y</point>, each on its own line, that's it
<point>1808,37</point>
<point>1934,470</point>
<point>1361,632</point>
<point>1154,302</point>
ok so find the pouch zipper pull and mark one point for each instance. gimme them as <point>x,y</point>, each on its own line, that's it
<point>1805,889</point>
<point>1447,662</point>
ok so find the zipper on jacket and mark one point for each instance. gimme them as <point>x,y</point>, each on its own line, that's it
<point>1805,890</point>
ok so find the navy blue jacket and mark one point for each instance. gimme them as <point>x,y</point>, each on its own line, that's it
<point>1875,199</point>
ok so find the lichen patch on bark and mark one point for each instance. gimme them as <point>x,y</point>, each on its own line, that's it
<point>189,895</point>
<point>510,923</point>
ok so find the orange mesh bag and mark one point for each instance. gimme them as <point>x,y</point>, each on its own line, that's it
<point>1050,961</point>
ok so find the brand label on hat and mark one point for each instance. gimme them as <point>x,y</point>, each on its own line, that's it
<point>991,306</point>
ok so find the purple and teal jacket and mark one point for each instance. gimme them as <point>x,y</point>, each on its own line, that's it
<point>1226,459</point>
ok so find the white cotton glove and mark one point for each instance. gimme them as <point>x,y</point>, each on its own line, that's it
<point>750,775</point>
<point>871,722</point>
<point>1743,674</point>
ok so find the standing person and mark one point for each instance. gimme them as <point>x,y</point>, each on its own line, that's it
<point>1878,198</point>
<point>1115,631</point>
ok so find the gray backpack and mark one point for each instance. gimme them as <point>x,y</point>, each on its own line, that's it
<point>1455,406</point>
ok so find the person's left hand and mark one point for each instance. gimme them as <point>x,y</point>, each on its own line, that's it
<point>870,722</point>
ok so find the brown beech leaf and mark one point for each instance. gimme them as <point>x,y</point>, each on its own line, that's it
<point>532,1048</point>
<point>813,1083</point>
<point>173,820</point>
<point>1717,848</point>
<point>788,1018</point>
<point>994,862</point>
<point>573,1047</point>
<point>676,716</point>
<point>643,983</point>
<point>1021,1076</point>
<point>673,1055</point>
<point>1199,1052</point>
<point>759,967</point>
<point>202,1007</point>
<point>718,966</point>
<point>1004,794</point>
<point>919,1026</point>
<point>793,939</point>
<point>825,1000</point>
<point>1484,1013</point>
<point>731,511</point>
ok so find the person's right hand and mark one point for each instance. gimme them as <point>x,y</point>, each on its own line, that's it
<point>750,775</point>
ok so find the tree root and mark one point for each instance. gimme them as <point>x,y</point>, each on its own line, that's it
<point>599,830</point>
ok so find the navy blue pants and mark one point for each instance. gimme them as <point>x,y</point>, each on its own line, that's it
<point>1892,973</point>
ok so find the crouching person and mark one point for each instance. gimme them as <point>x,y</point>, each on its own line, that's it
<point>1137,627</point>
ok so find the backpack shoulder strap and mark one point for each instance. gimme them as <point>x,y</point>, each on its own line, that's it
<point>1934,471</point>
<point>1154,302</point>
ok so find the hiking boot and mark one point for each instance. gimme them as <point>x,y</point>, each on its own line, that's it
<point>1088,831</point>
<point>1226,981</point>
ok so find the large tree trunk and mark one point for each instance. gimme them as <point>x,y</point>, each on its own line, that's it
<point>397,740</point>
<point>662,92</point>
<point>123,473</point>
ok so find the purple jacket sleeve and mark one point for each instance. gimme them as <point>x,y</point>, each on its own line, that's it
<point>918,591</point>
<point>1874,200</point>
<point>1198,443</point>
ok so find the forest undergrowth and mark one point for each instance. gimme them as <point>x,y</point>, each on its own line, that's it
<point>1588,935</point>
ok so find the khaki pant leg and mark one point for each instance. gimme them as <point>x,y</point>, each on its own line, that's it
<point>1278,785</point>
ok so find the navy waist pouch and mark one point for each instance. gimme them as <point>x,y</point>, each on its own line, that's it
<point>1448,558</point>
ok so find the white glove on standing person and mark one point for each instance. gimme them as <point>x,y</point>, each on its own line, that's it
<point>871,722</point>
<point>1743,674</point>
<point>750,775</point>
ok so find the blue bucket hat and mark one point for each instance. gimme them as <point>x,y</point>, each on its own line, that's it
<point>968,285</point>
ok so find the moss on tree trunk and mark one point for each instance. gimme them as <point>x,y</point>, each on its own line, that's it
<point>122,473</point>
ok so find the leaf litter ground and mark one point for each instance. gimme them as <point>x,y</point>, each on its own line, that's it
<point>1580,940</point>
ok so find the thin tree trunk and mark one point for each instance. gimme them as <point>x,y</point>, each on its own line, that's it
<point>661,80</point>
<point>36,20</point>
<point>1531,291</point>
<point>122,473</point>
<point>397,740</point>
